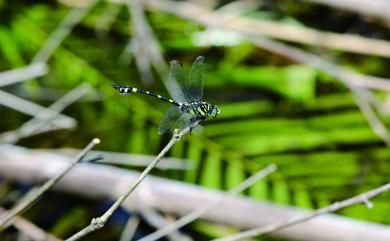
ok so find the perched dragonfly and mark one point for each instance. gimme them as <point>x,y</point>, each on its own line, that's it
<point>187,93</point>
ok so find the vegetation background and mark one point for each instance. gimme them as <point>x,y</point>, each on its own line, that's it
<point>274,109</point>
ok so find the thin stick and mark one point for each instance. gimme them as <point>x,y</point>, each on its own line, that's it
<point>130,228</point>
<point>99,222</point>
<point>373,120</point>
<point>31,230</point>
<point>62,30</point>
<point>21,74</point>
<point>106,19</point>
<point>377,8</point>
<point>197,213</point>
<point>145,44</point>
<point>362,198</point>
<point>259,28</point>
<point>158,221</point>
<point>31,108</point>
<point>363,96</point>
<point>18,209</point>
<point>45,116</point>
<point>118,158</point>
<point>210,18</point>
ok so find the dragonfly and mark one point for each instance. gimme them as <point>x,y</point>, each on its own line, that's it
<point>187,97</point>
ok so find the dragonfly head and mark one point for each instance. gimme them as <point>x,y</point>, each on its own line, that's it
<point>214,111</point>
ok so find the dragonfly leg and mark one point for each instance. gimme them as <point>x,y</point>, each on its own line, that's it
<point>193,120</point>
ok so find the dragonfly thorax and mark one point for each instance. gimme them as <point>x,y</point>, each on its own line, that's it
<point>201,109</point>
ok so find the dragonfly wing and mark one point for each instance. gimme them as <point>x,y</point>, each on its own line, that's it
<point>195,79</point>
<point>184,121</point>
<point>169,120</point>
<point>176,82</point>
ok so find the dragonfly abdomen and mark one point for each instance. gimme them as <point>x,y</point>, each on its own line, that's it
<point>124,90</point>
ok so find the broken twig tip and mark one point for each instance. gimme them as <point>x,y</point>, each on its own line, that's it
<point>367,202</point>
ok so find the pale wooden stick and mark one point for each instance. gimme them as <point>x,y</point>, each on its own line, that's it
<point>362,198</point>
<point>130,228</point>
<point>144,41</point>
<point>46,116</point>
<point>178,198</point>
<point>32,109</point>
<point>99,222</point>
<point>297,34</point>
<point>105,21</point>
<point>32,197</point>
<point>197,213</point>
<point>31,230</point>
<point>24,73</point>
<point>377,8</point>
<point>158,221</point>
<point>62,30</point>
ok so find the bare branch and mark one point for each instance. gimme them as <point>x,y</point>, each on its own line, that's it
<point>118,158</point>
<point>45,116</point>
<point>21,74</point>
<point>178,198</point>
<point>99,222</point>
<point>105,21</point>
<point>261,28</point>
<point>362,198</point>
<point>209,206</point>
<point>143,37</point>
<point>63,29</point>
<point>373,120</point>
<point>158,221</point>
<point>378,8</point>
<point>209,19</point>
<point>130,228</point>
<point>31,108</point>
<point>31,230</point>
<point>32,197</point>
<point>363,96</point>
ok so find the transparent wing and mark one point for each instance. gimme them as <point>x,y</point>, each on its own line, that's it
<point>176,82</point>
<point>184,120</point>
<point>169,120</point>
<point>195,79</point>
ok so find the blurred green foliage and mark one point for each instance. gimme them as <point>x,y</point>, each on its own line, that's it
<point>272,110</point>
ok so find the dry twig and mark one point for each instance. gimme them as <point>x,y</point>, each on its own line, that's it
<point>209,19</point>
<point>197,213</point>
<point>31,230</point>
<point>144,44</point>
<point>99,222</point>
<point>130,228</point>
<point>47,115</point>
<point>98,181</point>
<point>158,221</point>
<point>32,197</point>
<point>362,198</point>
<point>21,74</point>
<point>62,30</point>
<point>32,109</point>
<point>377,8</point>
<point>105,21</point>
<point>260,28</point>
